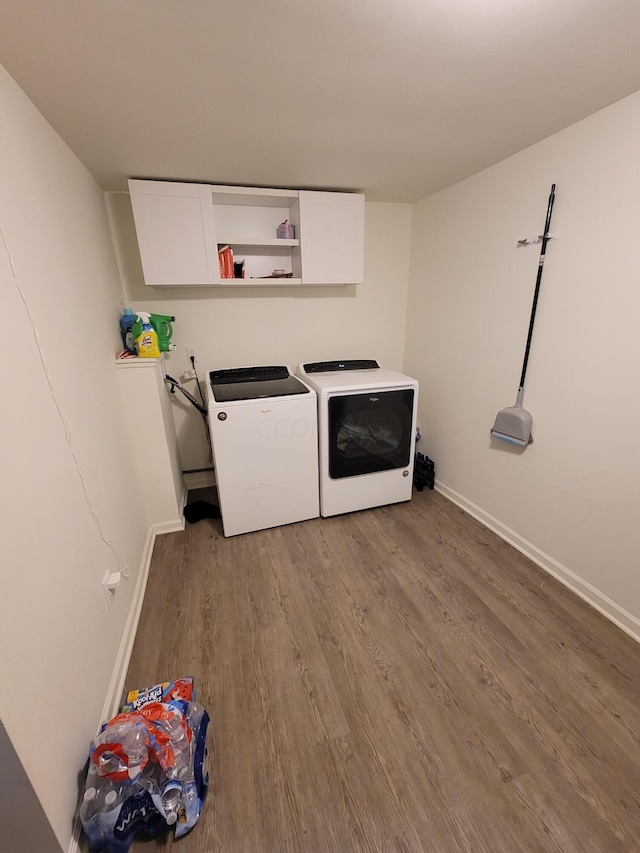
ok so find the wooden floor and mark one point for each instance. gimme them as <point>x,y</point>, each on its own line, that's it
<point>398,679</point>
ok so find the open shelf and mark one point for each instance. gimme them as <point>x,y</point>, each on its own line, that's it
<point>259,282</point>
<point>247,220</point>
<point>255,241</point>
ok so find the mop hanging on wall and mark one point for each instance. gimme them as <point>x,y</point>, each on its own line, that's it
<point>513,424</point>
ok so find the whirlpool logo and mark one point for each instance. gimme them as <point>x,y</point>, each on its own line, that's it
<point>374,399</point>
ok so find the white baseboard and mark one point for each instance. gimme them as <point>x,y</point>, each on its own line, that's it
<point>200,479</point>
<point>74,844</point>
<point>616,614</point>
<point>121,665</point>
<point>119,674</point>
<point>172,526</point>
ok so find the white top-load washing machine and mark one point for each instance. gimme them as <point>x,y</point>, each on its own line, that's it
<point>366,427</point>
<point>263,425</point>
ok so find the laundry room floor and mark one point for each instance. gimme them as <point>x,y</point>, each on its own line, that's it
<point>398,679</point>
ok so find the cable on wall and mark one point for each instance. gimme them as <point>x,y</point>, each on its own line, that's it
<point>121,563</point>
<point>175,385</point>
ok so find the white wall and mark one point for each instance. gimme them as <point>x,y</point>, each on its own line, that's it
<point>59,280</point>
<point>570,499</point>
<point>280,325</point>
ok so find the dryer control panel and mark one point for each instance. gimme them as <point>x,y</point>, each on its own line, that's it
<point>348,364</point>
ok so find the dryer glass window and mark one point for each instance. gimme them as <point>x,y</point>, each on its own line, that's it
<point>369,432</point>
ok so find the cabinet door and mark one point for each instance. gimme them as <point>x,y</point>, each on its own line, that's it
<point>176,232</point>
<point>331,237</point>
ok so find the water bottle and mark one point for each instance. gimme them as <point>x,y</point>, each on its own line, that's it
<point>166,794</point>
<point>109,762</point>
<point>132,737</point>
<point>88,806</point>
<point>114,826</point>
<point>136,746</point>
<point>113,801</point>
<point>91,818</point>
<point>93,777</point>
<point>176,727</point>
<point>192,805</point>
<point>150,779</point>
<point>171,799</point>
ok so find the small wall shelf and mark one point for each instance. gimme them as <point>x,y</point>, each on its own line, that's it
<point>256,241</point>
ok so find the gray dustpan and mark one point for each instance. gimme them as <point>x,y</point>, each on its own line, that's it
<point>513,424</point>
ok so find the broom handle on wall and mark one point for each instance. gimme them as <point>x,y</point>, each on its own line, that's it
<point>545,240</point>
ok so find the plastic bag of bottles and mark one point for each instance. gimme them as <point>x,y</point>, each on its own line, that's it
<point>147,771</point>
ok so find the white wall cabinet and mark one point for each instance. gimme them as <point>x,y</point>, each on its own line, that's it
<point>332,225</point>
<point>175,228</point>
<point>180,227</point>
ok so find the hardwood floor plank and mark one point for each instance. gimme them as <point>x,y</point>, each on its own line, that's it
<point>568,728</point>
<point>398,679</point>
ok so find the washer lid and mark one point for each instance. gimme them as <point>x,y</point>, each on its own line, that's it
<point>254,383</point>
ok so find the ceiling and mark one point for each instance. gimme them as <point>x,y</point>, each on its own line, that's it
<point>394,98</point>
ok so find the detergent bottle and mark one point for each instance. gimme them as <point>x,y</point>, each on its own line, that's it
<point>145,337</point>
<point>163,328</point>
<point>126,330</point>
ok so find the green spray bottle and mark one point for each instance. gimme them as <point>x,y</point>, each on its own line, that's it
<point>163,328</point>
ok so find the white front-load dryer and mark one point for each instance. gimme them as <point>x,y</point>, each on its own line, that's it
<point>263,425</point>
<point>366,431</point>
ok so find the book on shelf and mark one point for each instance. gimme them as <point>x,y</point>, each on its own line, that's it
<point>225,259</point>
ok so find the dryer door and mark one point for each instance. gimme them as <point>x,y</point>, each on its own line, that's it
<point>370,432</point>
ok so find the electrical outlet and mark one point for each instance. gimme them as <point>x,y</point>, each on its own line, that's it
<point>191,354</point>
<point>110,583</point>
